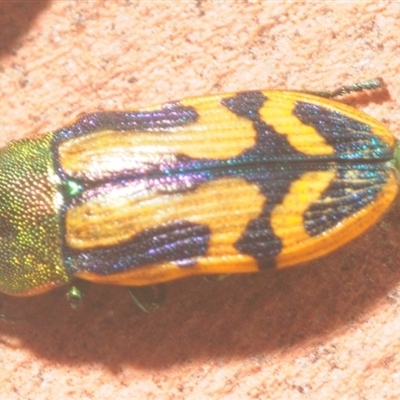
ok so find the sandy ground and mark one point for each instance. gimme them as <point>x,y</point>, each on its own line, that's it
<point>328,330</point>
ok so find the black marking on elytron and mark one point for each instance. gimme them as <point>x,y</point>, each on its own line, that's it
<point>270,146</point>
<point>170,116</point>
<point>354,187</point>
<point>350,139</point>
<point>272,177</point>
<point>181,242</point>
<point>246,104</point>
<point>272,164</point>
<point>357,182</point>
<point>259,239</point>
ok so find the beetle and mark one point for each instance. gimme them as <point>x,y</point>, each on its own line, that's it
<point>220,184</point>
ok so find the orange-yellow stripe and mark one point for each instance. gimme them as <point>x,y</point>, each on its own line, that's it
<point>287,223</point>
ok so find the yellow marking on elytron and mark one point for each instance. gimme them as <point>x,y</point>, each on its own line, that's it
<point>169,271</point>
<point>225,206</point>
<point>287,221</point>
<point>277,111</point>
<point>217,134</point>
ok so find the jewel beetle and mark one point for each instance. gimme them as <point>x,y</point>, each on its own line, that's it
<point>221,184</point>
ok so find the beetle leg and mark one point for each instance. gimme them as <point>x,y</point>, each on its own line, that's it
<point>148,298</point>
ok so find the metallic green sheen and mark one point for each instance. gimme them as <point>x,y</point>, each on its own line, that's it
<point>30,213</point>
